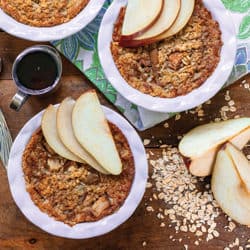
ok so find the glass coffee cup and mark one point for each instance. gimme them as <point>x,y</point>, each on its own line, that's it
<point>36,71</point>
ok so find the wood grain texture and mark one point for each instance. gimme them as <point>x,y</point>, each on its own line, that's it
<point>16,232</point>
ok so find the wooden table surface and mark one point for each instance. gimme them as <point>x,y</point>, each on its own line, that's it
<point>142,230</point>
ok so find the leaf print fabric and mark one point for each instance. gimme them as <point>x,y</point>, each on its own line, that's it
<point>244,31</point>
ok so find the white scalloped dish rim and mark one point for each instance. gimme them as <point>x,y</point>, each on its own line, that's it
<point>81,230</point>
<point>196,97</point>
<point>45,34</point>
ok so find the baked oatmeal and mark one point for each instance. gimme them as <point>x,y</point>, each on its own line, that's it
<point>176,65</point>
<point>73,192</point>
<point>43,13</point>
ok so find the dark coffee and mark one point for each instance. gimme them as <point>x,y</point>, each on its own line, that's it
<point>37,70</point>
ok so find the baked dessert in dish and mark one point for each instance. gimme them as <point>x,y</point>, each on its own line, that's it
<point>43,13</point>
<point>175,65</point>
<point>74,192</point>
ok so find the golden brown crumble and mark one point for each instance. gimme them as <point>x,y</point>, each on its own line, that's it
<point>174,66</point>
<point>72,192</point>
<point>43,12</point>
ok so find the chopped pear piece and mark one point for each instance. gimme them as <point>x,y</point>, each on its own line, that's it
<point>139,16</point>
<point>187,7</point>
<point>65,132</point>
<point>93,133</point>
<point>241,163</point>
<point>205,137</point>
<point>49,128</point>
<point>229,190</point>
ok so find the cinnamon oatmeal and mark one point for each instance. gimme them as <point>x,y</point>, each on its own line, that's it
<point>174,66</point>
<point>43,13</point>
<point>73,192</point>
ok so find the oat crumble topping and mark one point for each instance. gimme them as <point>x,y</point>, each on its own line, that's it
<point>43,12</point>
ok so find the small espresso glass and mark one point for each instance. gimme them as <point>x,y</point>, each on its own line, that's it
<point>36,71</point>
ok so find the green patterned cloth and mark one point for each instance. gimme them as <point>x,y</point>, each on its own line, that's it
<point>81,50</point>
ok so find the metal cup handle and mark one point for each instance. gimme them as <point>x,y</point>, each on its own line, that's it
<point>18,100</point>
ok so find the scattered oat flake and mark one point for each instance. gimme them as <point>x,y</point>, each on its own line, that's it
<point>144,243</point>
<point>177,117</point>
<point>200,113</point>
<point>231,226</point>
<point>149,209</point>
<point>188,209</point>
<point>247,86</point>
<point>209,237</point>
<point>237,242</point>
<point>216,233</point>
<point>166,125</point>
<point>196,242</point>
<point>233,109</point>
<point>146,142</point>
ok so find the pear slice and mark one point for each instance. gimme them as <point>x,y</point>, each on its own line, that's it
<point>205,137</point>
<point>229,189</point>
<point>49,128</point>
<point>92,131</point>
<point>139,16</point>
<point>241,163</point>
<point>187,7</point>
<point>241,139</point>
<point>164,22</point>
<point>65,132</point>
<point>202,166</point>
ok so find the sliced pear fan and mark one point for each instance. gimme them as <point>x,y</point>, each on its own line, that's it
<point>49,128</point>
<point>65,132</point>
<point>93,133</point>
